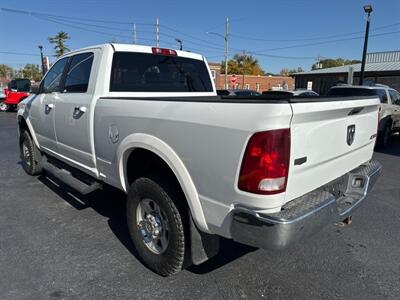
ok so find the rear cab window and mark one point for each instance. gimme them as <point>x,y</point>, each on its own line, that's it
<point>145,72</point>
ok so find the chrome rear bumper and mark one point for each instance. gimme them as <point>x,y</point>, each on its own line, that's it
<point>305,215</point>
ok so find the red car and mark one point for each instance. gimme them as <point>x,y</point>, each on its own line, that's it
<point>18,89</point>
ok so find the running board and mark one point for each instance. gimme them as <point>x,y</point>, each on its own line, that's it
<point>83,187</point>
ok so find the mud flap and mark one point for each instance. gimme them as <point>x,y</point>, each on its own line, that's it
<point>203,245</point>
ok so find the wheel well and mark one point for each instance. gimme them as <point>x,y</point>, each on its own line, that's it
<point>142,163</point>
<point>22,125</point>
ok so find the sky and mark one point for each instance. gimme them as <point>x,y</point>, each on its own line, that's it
<point>280,34</point>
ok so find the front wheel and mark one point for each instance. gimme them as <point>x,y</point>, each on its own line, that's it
<point>30,155</point>
<point>157,225</point>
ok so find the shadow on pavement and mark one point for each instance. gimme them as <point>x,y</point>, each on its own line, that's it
<point>229,252</point>
<point>393,148</point>
<point>110,203</point>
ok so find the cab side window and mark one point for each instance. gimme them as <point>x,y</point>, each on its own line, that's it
<point>51,83</point>
<point>78,75</point>
<point>381,93</point>
<point>394,96</point>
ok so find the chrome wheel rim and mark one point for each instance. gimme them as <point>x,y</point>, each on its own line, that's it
<point>3,106</point>
<point>153,226</point>
<point>26,154</point>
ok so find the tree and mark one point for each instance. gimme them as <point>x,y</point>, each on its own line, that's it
<point>6,71</point>
<point>288,72</point>
<point>330,63</point>
<point>243,64</point>
<point>32,72</point>
<point>59,43</point>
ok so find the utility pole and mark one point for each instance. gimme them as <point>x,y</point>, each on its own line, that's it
<point>244,53</point>
<point>158,32</point>
<point>226,51</point>
<point>134,33</point>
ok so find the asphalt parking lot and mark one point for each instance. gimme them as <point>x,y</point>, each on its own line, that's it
<point>55,244</point>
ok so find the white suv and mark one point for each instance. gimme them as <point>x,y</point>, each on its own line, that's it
<point>389,113</point>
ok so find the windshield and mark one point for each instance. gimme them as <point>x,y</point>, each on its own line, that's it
<point>142,72</point>
<point>20,85</point>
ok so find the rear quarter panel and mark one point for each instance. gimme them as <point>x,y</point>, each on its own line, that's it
<point>209,138</point>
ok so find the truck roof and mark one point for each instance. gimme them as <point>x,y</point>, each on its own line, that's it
<point>137,48</point>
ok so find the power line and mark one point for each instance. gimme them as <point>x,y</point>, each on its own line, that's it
<point>208,43</point>
<point>96,26</point>
<point>18,53</point>
<point>25,12</point>
<point>282,56</point>
<point>328,42</point>
<point>311,39</point>
<point>109,34</point>
<point>82,28</point>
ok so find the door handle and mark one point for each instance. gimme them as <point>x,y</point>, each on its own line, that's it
<point>49,106</point>
<point>79,111</point>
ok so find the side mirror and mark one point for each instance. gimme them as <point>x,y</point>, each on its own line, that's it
<point>35,89</point>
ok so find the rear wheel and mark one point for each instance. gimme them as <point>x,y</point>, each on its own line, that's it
<point>384,136</point>
<point>30,155</point>
<point>157,223</point>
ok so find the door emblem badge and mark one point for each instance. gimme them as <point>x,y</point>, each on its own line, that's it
<point>351,131</point>
<point>113,134</point>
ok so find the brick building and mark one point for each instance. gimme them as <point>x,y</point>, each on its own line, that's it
<point>253,82</point>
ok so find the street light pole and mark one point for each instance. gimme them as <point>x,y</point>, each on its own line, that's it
<point>158,32</point>
<point>368,10</point>
<point>41,57</point>
<point>225,37</point>
<point>134,34</point>
<point>180,43</point>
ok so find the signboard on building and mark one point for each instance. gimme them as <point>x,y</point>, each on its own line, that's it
<point>309,85</point>
<point>233,79</point>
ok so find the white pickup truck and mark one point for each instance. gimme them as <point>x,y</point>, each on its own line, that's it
<point>266,171</point>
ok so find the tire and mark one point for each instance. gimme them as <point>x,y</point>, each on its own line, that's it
<point>30,155</point>
<point>384,136</point>
<point>164,258</point>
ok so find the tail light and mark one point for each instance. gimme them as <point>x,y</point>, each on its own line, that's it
<point>265,163</point>
<point>163,51</point>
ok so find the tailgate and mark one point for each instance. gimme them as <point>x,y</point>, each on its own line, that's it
<point>329,139</point>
